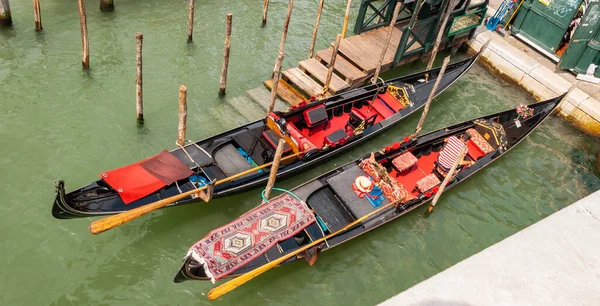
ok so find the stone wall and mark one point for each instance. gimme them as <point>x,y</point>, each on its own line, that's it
<point>542,83</point>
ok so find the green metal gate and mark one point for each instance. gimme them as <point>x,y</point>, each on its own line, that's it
<point>544,22</point>
<point>584,48</point>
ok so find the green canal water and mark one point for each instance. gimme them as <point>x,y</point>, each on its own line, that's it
<point>58,121</point>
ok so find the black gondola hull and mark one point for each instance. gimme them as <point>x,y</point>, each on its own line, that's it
<point>190,270</point>
<point>99,199</point>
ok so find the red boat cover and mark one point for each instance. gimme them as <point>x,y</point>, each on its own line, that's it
<point>227,248</point>
<point>138,180</point>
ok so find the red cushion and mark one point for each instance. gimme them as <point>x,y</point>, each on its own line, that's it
<point>381,108</point>
<point>428,182</point>
<point>404,162</point>
<point>315,115</point>
<point>391,101</point>
<point>473,150</point>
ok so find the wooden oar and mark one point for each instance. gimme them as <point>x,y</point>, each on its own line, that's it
<point>450,174</point>
<point>430,98</point>
<point>107,223</point>
<point>240,280</point>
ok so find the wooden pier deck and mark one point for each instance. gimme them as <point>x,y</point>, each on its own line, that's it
<point>356,61</point>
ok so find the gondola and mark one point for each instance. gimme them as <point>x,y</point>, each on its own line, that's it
<point>313,132</point>
<point>402,176</point>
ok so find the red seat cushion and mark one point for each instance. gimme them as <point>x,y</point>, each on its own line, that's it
<point>315,115</point>
<point>358,113</point>
<point>473,150</point>
<point>303,143</point>
<point>404,162</point>
<point>381,108</point>
<point>428,182</point>
<point>391,101</point>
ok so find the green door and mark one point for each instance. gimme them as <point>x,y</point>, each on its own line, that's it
<point>544,22</point>
<point>583,48</point>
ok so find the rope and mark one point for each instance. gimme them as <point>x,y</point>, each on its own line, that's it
<point>199,148</point>
<point>262,194</point>
<point>188,155</point>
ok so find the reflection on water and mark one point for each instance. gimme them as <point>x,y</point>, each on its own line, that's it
<point>58,121</point>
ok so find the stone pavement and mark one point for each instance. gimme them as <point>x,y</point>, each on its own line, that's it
<point>553,262</point>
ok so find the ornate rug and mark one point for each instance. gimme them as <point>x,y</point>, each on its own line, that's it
<point>231,246</point>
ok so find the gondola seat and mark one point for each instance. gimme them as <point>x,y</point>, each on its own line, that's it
<point>303,143</point>
<point>335,137</point>
<point>357,116</point>
<point>428,182</point>
<point>390,101</point>
<point>273,139</point>
<point>381,108</point>
<point>316,118</point>
<point>480,142</point>
<point>404,161</point>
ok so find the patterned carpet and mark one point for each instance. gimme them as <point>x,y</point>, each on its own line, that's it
<point>229,247</point>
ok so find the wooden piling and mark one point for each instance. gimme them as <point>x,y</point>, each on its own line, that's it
<point>311,50</point>
<point>430,98</point>
<point>37,17</point>
<point>139,97</point>
<point>274,168</point>
<point>387,41</point>
<point>191,20</point>
<point>334,53</point>
<point>223,83</point>
<point>107,5</point>
<point>265,10</point>
<point>346,17</point>
<point>182,115</point>
<point>442,27</point>
<point>5,16</point>
<point>277,68</point>
<point>85,47</point>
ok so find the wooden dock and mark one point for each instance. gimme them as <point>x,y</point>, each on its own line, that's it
<point>356,61</point>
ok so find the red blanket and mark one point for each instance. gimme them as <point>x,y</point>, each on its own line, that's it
<point>138,180</point>
<point>231,246</point>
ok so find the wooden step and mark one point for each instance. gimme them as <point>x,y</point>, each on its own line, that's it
<point>286,92</point>
<point>302,81</point>
<point>317,70</point>
<point>262,97</point>
<point>247,108</point>
<point>351,73</point>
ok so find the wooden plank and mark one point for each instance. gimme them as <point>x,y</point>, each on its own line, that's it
<point>286,92</point>
<point>302,81</point>
<point>356,55</point>
<point>352,74</point>
<point>316,69</point>
<point>262,97</point>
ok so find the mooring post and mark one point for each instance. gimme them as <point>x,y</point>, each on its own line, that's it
<point>191,20</point>
<point>274,168</point>
<point>107,5</point>
<point>37,17</point>
<point>223,83</point>
<point>5,17</point>
<point>85,52</point>
<point>182,115</point>
<point>387,41</point>
<point>265,10</point>
<point>334,53</point>
<point>311,50</point>
<point>139,97</point>
<point>436,46</point>
<point>346,17</point>
<point>277,68</point>
<point>430,98</point>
